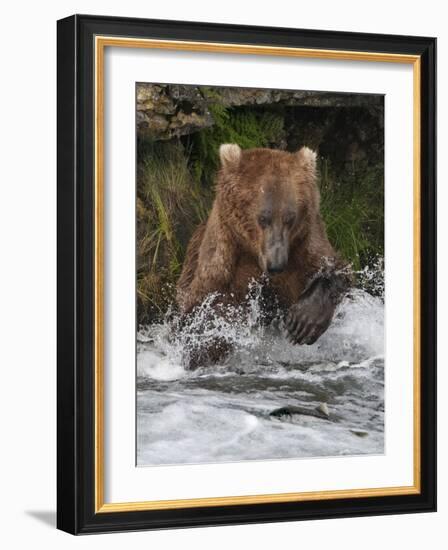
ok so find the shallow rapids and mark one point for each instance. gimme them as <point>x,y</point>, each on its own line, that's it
<point>223,412</point>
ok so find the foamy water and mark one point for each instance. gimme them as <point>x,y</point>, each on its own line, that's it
<point>222,412</point>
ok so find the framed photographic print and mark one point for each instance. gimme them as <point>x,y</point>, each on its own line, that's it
<point>246,274</point>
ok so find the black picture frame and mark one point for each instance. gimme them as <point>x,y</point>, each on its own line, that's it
<point>76,271</point>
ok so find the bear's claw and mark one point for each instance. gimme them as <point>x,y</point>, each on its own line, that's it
<point>310,317</point>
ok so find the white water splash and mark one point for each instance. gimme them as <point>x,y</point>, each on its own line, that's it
<point>222,412</point>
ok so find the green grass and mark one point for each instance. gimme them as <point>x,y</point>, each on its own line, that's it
<point>352,206</point>
<point>169,206</point>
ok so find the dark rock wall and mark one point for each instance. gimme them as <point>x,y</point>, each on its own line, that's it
<point>345,127</point>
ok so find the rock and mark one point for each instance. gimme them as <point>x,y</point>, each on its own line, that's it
<point>169,111</point>
<point>155,125</point>
<point>166,111</point>
<point>152,98</point>
<point>237,97</point>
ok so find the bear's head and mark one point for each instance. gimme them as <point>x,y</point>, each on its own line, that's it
<point>268,199</point>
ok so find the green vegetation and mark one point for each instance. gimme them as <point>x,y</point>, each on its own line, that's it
<point>170,204</point>
<point>352,206</point>
<point>175,192</point>
<point>247,128</point>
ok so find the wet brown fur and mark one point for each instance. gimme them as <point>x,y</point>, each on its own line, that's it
<point>224,253</point>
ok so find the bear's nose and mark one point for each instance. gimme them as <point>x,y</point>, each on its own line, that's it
<point>273,269</point>
<point>276,254</point>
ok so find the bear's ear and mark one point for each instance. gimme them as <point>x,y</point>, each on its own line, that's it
<point>307,158</point>
<point>230,155</point>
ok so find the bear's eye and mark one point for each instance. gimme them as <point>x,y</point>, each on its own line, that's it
<point>264,220</point>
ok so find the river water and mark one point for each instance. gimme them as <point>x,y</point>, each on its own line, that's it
<point>223,413</point>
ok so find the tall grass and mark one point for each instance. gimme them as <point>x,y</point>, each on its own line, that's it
<point>170,204</point>
<point>352,206</point>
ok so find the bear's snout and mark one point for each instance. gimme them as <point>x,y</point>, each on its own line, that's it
<point>273,270</point>
<point>277,257</point>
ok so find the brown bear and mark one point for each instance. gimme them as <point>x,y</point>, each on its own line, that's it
<point>265,222</point>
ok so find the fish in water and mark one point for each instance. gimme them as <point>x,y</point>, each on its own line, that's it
<point>321,411</point>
